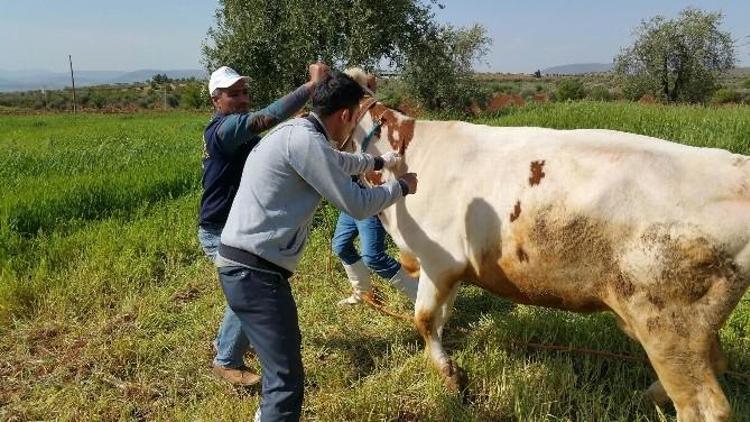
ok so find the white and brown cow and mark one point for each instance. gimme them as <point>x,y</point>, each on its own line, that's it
<point>583,220</point>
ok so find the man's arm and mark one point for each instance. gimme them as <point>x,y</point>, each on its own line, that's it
<point>236,129</point>
<point>318,164</point>
<point>353,164</point>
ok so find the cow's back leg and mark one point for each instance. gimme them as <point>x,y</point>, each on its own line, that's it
<point>718,363</point>
<point>433,307</point>
<point>686,374</point>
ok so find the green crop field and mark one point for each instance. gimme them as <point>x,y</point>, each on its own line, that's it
<point>108,307</point>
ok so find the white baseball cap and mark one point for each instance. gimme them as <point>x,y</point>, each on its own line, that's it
<point>223,77</point>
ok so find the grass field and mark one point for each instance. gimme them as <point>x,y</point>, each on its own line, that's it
<point>108,308</point>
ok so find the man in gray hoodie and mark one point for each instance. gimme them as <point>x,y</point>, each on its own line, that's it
<point>283,181</point>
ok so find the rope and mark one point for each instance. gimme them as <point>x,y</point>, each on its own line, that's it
<point>602,353</point>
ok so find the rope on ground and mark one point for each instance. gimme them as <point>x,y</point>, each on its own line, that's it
<point>644,361</point>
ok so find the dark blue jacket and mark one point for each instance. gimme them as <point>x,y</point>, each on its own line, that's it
<point>227,141</point>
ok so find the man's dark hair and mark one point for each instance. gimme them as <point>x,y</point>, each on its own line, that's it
<point>335,92</point>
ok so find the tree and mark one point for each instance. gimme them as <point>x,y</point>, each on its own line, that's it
<point>273,41</point>
<point>677,59</point>
<point>438,69</point>
<point>160,78</point>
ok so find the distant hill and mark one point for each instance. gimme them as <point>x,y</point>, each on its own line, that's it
<point>577,69</point>
<point>33,79</point>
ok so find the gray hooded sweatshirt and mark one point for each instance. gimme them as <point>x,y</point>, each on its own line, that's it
<point>282,184</point>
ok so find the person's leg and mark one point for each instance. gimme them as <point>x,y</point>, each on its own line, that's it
<point>264,304</point>
<point>343,246</point>
<point>372,235</point>
<point>230,343</point>
<point>372,238</point>
<point>343,239</point>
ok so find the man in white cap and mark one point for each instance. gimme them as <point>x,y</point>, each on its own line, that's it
<point>227,140</point>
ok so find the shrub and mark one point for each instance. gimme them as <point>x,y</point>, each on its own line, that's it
<point>570,89</point>
<point>599,93</point>
<point>725,96</point>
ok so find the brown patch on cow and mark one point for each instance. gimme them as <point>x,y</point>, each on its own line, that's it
<point>624,287</point>
<point>672,322</point>
<point>423,321</point>
<point>516,212</point>
<point>536,172</point>
<point>521,254</point>
<point>689,265</point>
<point>574,260</point>
<point>655,300</point>
<point>374,177</point>
<point>400,128</point>
<point>409,263</point>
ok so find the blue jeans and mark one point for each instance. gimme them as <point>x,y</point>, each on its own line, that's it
<point>372,239</point>
<point>264,303</point>
<point>231,343</point>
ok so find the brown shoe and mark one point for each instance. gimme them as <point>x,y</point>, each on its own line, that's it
<point>237,376</point>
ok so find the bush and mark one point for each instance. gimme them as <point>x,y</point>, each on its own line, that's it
<point>726,96</point>
<point>746,84</point>
<point>194,97</point>
<point>528,93</point>
<point>599,93</point>
<point>570,89</point>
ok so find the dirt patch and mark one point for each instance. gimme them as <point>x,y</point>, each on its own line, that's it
<point>186,295</point>
<point>500,101</point>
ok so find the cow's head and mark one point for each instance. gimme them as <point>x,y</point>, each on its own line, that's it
<point>380,129</point>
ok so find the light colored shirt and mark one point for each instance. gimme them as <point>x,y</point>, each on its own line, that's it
<point>283,181</point>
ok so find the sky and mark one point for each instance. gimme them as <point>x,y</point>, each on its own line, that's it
<point>167,34</point>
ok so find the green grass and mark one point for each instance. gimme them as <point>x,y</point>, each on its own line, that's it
<point>108,308</point>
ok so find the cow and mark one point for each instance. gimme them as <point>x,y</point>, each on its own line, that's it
<point>583,220</point>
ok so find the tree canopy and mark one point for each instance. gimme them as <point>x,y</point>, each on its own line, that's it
<point>677,59</point>
<point>273,41</point>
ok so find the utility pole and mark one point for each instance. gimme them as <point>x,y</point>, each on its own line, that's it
<point>72,79</point>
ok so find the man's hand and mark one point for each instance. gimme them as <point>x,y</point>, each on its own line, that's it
<point>410,180</point>
<point>318,72</point>
<point>391,159</point>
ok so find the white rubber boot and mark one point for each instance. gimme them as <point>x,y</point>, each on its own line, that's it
<point>405,284</point>
<point>359,276</point>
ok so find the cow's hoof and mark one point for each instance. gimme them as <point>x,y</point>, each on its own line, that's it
<point>454,377</point>
<point>657,394</point>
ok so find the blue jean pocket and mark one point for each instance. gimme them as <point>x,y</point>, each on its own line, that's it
<point>244,287</point>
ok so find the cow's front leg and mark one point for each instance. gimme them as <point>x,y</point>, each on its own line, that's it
<point>430,314</point>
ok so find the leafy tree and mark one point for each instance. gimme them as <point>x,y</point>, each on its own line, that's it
<point>273,41</point>
<point>160,78</point>
<point>438,70</point>
<point>677,59</point>
<point>538,74</point>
